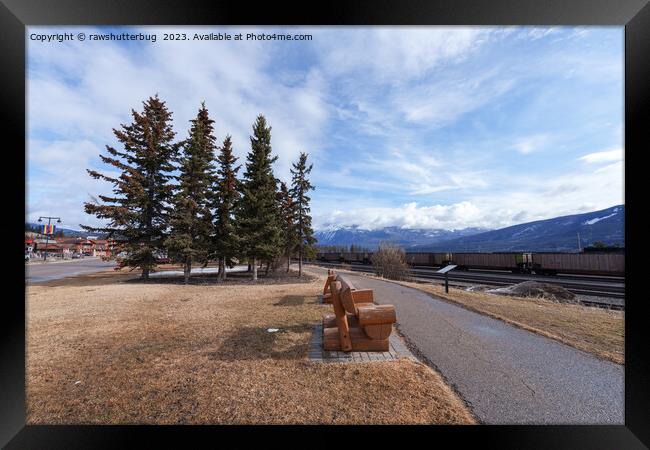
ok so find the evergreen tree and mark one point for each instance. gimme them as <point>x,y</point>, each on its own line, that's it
<point>138,212</point>
<point>300,187</point>
<point>191,219</point>
<point>258,214</point>
<point>288,217</point>
<point>226,242</point>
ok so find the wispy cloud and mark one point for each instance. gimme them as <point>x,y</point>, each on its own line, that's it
<point>604,156</point>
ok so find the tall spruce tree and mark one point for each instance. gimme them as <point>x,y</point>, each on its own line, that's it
<point>288,217</point>
<point>258,213</point>
<point>226,195</point>
<point>191,219</point>
<point>138,212</point>
<point>300,187</point>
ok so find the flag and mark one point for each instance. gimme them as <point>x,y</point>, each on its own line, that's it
<point>48,229</point>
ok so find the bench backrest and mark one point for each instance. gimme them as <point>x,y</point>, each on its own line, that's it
<point>346,295</point>
<point>341,317</point>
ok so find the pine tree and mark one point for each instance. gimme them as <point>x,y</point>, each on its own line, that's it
<point>288,216</point>
<point>258,214</point>
<point>191,219</point>
<point>300,187</point>
<point>138,212</point>
<point>226,195</point>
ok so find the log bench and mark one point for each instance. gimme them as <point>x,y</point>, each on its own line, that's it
<point>327,292</point>
<point>360,295</point>
<point>356,325</point>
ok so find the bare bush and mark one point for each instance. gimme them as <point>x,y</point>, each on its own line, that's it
<point>389,261</point>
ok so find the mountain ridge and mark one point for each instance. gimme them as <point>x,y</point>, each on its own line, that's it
<point>554,234</point>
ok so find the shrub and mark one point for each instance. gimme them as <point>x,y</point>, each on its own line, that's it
<point>389,261</point>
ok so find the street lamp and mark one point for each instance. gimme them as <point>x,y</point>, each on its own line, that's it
<point>47,236</point>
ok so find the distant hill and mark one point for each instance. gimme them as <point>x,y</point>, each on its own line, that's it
<point>36,226</point>
<point>552,235</point>
<point>346,236</point>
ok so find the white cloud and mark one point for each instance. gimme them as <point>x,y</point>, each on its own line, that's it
<point>530,144</point>
<point>604,156</point>
<point>526,198</point>
<point>397,53</point>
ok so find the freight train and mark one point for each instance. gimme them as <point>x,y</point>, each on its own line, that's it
<point>588,263</point>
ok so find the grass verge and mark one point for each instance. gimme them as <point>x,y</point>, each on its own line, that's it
<point>102,349</point>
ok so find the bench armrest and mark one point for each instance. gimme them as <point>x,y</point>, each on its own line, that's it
<point>376,314</point>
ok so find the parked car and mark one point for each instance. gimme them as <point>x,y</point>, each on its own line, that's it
<point>76,255</point>
<point>163,260</point>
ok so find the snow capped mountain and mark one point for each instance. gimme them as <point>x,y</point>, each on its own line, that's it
<point>338,235</point>
<point>559,234</point>
<point>551,235</point>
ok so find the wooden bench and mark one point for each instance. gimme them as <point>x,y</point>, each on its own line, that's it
<point>327,292</point>
<point>357,324</point>
<point>360,295</point>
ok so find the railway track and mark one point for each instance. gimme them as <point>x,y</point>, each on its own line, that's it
<point>609,290</point>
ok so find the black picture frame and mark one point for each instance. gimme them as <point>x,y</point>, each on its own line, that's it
<point>633,14</point>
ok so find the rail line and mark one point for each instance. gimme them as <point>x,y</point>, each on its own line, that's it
<point>611,293</point>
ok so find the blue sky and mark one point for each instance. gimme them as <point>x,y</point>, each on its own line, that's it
<point>419,127</point>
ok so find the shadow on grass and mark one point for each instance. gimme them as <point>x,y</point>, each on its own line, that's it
<point>291,300</point>
<point>250,343</point>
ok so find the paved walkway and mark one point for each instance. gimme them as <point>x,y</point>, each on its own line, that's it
<point>506,374</point>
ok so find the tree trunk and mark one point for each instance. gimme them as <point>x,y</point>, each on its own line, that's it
<point>266,271</point>
<point>288,263</point>
<point>249,266</point>
<point>223,266</point>
<point>254,269</point>
<point>145,274</point>
<point>300,262</point>
<point>188,269</point>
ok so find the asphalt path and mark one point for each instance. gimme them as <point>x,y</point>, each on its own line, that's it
<point>40,272</point>
<point>506,375</point>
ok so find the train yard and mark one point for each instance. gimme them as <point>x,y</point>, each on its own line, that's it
<point>596,290</point>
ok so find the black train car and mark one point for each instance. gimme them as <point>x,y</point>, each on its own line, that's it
<point>329,256</point>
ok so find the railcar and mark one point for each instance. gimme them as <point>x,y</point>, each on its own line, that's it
<point>591,263</point>
<point>580,263</point>
<point>488,261</point>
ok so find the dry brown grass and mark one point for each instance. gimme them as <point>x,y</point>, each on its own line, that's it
<point>598,331</point>
<point>103,350</point>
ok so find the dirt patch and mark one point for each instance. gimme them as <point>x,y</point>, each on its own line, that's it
<point>102,350</point>
<point>534,289</point>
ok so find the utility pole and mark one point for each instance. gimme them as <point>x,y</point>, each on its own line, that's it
<point>579,245</point>
<point>47,235</point>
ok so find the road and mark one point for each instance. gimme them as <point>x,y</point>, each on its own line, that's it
<point>40,272</point>
<point>507,375</point>
<point>36,273</point>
